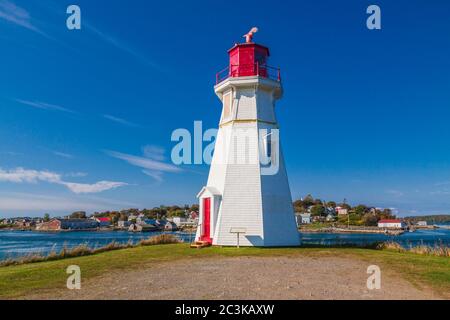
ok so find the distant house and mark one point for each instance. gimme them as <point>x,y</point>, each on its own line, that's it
<point>103,221</point>
<point>391,223</point>
<point>163,224</point>
<point>123,224</point>
<point>303,218</point>
<point>52,225</point>
<point>148,221</point>
<point>67,224</point>
<point>78,224</point>
<point>330,217</point>
<point>422,223</point>
<point>318,219</point>
<point>134,227</point>
<point>184,222</point>
<point>140,219</point>
<point>6,221</point>
<point>341,211</point>
<point>193,215</point>
<point>179,220</point>
<point>169,226</point>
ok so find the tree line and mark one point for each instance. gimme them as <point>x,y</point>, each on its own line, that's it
<point>160,212</point>
<point>360,214</point>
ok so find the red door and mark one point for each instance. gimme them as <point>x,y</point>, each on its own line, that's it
<point>206,219</point>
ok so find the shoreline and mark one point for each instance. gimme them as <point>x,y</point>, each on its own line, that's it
<point>332,230</point>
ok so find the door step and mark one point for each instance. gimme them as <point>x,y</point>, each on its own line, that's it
<point>200,244</point>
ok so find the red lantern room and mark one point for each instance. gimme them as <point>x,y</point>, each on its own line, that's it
<point>248,59</point>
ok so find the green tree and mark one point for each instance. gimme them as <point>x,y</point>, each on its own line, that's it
<point>318,201</point>
<point>78,215</point>
<point>361,209</point>
<point>331,204</point>
<point>299,206</point>
<point>317,210</point>
<point>370,219</point>
<point>308,201</point>
<point>387,214</point>
<point>46,217</point>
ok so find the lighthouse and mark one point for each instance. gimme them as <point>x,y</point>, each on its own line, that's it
<point>246,200</point>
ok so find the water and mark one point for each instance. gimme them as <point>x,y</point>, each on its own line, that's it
<point>407,239</point>
<point>20,243</point>
<point>14,244</point>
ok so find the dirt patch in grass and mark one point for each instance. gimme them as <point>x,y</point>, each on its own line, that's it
<point>247,277</point>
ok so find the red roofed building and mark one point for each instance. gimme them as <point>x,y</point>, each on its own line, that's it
<point>103,221</point>
<point>391,223</point>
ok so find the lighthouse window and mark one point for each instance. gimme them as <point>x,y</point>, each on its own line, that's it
<point>260,58</point>
<point>227,105</point>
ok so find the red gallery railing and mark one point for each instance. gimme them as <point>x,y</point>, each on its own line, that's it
<point>245,70</point>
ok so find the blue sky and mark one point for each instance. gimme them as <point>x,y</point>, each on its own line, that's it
<point>86,115</point>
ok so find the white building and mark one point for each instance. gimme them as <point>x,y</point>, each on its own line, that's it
<point>123,224</point>
<point>303,218</point>
<point>179,220</point>
<point>341,211</point>
<point>247,187</point>
<point>391,223</point>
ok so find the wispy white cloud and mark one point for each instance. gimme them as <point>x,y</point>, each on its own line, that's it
<point>18,16</point>
<point>154,152</point>
<point>120,120</point>
<point>63,154</point>
<point>122,46</point>
<point>151,162</point>
<point>21,175</point>
<point>145,163</point>
<point>36,203</point>
<point>157,175</point>
<point>44,106</point>
<point>93,188</point>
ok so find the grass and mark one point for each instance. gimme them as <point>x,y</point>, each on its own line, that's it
<point>316,226</point>
<point>19,280</point>
<point>85,250</point>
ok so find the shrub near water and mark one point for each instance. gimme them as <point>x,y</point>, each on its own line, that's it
<point>84,250</point>
<point>440,250</point>
<point>160,239</point>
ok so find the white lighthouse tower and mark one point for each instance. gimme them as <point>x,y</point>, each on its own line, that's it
<point>247,196</point>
